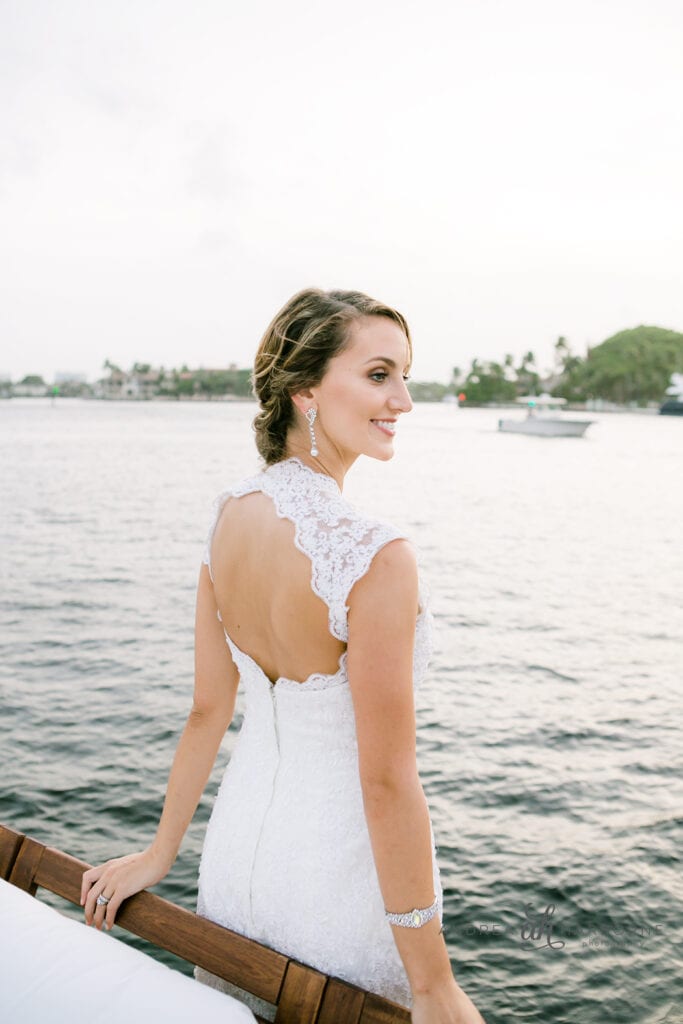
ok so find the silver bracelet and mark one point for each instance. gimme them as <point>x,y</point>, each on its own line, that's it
<point>414,918</point>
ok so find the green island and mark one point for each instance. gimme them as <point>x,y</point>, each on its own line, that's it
<point>631,368</point>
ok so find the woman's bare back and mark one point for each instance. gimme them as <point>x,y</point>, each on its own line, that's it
<point>262,584</point>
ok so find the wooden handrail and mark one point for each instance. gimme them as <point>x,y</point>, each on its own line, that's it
<point>10,842</point>
<point>302,994</point>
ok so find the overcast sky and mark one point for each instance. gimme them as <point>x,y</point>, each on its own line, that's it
<point>171,172</point>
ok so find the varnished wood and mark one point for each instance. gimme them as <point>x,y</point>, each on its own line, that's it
<point>61,874</point>
<point>10,842</point>
<point>301,995</point>
<point>26,864</point>
<point>341,1002</point>
<point>381,1011</point>
<point>230,956</point>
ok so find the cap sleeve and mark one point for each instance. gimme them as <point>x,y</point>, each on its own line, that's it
<point>218,506</point>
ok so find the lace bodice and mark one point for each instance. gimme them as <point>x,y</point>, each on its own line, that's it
<point>338,540</point>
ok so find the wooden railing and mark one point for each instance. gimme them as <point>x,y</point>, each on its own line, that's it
<point>301,994</point>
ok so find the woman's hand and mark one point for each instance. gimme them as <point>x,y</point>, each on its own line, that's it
<point>116,880</point>
<point>446,1005</point>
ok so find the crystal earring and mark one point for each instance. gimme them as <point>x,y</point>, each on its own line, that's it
<point>310,416</point>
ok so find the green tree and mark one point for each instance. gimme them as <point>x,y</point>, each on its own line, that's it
<point>185,385</point>
<point>487,382</point>
<point>427,391</point>
<point>456,381</point>
<point>631,366</point>
<point>562,354</point>
<point>528,377</point>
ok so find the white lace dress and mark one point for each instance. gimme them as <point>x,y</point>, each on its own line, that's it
<point>287,858</point>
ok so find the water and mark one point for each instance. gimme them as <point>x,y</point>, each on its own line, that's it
<point>549,726</point>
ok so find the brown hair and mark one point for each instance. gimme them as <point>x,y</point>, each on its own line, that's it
<point>309,330</point>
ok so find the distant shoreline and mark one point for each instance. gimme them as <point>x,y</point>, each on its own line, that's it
<point>598,405</point>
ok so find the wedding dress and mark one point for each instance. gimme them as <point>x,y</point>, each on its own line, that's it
<point>287,858</point>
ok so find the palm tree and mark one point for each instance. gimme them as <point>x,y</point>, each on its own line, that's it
<point>527,375</point>
<point>562,353</point>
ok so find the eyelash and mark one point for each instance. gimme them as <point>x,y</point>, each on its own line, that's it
<point>383,374</point>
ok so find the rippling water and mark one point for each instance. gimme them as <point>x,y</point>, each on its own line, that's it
<point>549,726</point>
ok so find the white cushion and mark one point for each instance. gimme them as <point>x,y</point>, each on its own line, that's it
<point>54,970</point>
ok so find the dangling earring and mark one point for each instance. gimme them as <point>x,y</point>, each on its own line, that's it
<point>310,416</point>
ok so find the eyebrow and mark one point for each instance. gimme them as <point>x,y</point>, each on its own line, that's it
<point>381,359</point>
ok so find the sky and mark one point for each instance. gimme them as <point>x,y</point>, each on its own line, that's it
<point>172,172</point>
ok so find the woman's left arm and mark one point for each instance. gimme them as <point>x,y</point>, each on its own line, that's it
<point>215,690</point>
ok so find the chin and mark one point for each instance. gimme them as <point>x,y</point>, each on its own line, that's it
<point>382,456</point>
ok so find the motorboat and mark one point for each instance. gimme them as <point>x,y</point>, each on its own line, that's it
<point>542,419</point>
<point>673,406</point>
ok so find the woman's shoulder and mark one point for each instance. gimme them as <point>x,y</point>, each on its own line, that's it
<point>325,520</point>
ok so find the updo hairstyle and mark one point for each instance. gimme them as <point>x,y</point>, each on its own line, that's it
<point>309,330</point>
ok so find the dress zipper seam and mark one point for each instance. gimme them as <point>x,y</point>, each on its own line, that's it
<point>270,804</point>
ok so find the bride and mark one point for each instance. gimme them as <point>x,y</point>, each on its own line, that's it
<point>320,843</point>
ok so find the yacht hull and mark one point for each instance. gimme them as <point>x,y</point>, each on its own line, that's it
<point>545,427</point>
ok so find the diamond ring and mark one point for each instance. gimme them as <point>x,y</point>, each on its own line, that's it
<point>102,901</point>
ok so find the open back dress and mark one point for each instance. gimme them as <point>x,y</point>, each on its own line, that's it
<point>287,859</point>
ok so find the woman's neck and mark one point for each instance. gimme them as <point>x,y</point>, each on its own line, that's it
<point>329,461</point>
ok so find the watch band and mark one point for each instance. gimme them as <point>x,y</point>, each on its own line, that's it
<point>415,918</point>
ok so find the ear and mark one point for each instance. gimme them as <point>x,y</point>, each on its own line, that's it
<point>302,399</point>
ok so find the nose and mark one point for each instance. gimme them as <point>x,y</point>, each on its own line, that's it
<point>400,400</point>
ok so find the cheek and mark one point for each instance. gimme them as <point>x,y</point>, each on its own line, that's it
<point>348,398</point>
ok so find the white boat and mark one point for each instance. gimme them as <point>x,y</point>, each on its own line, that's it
<point>673,406</point>
<point>542,419</point>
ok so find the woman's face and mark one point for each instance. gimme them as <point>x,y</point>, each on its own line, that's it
<point>363,392</point>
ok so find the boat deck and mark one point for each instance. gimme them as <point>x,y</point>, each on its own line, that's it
<point>301,994</point>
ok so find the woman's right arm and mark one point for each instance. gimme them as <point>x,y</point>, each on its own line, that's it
<point>382,612</point>
<point>215,690</point>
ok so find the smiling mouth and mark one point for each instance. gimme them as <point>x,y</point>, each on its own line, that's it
<point>386,426</point>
